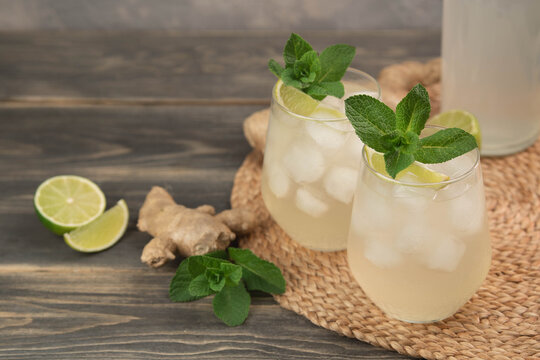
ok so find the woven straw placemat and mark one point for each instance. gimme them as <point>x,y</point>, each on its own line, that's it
<point>500,322</point>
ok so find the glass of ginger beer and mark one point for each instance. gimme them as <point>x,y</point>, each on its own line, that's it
<point>311,163</point>
<point>420,250</point>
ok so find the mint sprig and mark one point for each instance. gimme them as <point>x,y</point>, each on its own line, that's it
<point>316,75</point>
<point>228,275</point>
<point>396,135</point>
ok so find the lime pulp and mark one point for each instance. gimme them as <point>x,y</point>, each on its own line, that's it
<point>66,202</point>
<point>103,232</point>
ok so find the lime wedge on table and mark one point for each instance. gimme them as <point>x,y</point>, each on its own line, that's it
<point>415,173</point>
<point>295,100</point>
<point>66,202</point>
<point>101,233</point>
<point>460,119</point>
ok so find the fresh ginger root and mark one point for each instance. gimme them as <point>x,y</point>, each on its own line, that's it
<point>177,229</point>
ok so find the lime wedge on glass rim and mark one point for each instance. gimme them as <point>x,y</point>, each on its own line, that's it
<point>66,202</point>
<point>459,119</point>
<point>415,173</point>
<point>103,232</point>
<point>295,100</point>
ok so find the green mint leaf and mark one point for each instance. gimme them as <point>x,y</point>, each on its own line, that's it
<point>312,65</point>
<point>317,92</point>
<point>444,145</point>
<point>391,141</point>
<point>333,88</point>
<point>335,60</point>
<point>231,304</point>
<point>199,286</point>
<point>397,135</point>
<point>396,161</point>
<point>215,279</point>
<point>304,70</point>
<point>413,110</point>
<point>199,263</point>
<point>275,68</point>
<point>408,143</point>
<point>317,76</point>
<point>219,254</point>
<point>295,48</point>
<point>258,274</point>
<point>373,121</point>
<point>232,273</point>
<point>178,289</point>
<point>290,79</point>
<point>323,89</point>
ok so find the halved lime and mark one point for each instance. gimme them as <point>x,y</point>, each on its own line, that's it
<point>101,233</point>
<point>66,202</point>
<point>295,100</point>
<point>415,173</point>
<point>460,119</point>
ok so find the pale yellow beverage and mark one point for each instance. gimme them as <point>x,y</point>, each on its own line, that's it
<point>420,252</point>
<point>311,166</point>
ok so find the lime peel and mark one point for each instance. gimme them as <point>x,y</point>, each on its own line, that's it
<point>66,202</point>
<point>294,100</point>
<point>461,119</point>
<point>101,233</point>
<point>415,172</point>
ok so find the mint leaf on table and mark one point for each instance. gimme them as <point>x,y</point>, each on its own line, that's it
<point>257,273</point>
<point>199,286</point>
<point>316,75</point>
<point>179,287</point>
<point>231,304</point>
<point>444,145</point>
<point>396,135</point>
<point>214,273</point>
<point>219,254</point>
<point>199,263</point>
<point>215,279</point>
<point>231,272</point>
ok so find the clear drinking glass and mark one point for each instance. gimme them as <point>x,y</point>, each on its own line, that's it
<point>311,166</point>
<point>420,251</point>
<point>491,67</point>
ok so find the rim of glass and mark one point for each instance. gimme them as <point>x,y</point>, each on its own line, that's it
<point>303,117</point>
<point>445,182</point>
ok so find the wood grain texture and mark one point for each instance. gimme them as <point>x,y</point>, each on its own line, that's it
<point>131,110</point>
<point>220,15</point>
<point>172,65</point>
<point>108,313</point>
<point>59,304</point>
<point>192,151</point>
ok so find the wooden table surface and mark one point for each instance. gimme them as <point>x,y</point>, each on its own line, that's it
<point>130,110</point>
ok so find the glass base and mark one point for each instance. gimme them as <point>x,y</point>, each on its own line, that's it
<point>320,250</point>
<point>419,322</point>
<point>508,149</point>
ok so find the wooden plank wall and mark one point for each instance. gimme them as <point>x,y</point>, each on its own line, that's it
<point>220,14</point>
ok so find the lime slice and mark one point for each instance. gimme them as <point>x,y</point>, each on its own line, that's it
<point>325,112</point>
<point>66,202</point>
<point>101,233</point>
<point>415,173</point>
<point>295,100</point>
<point>460,119</point>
